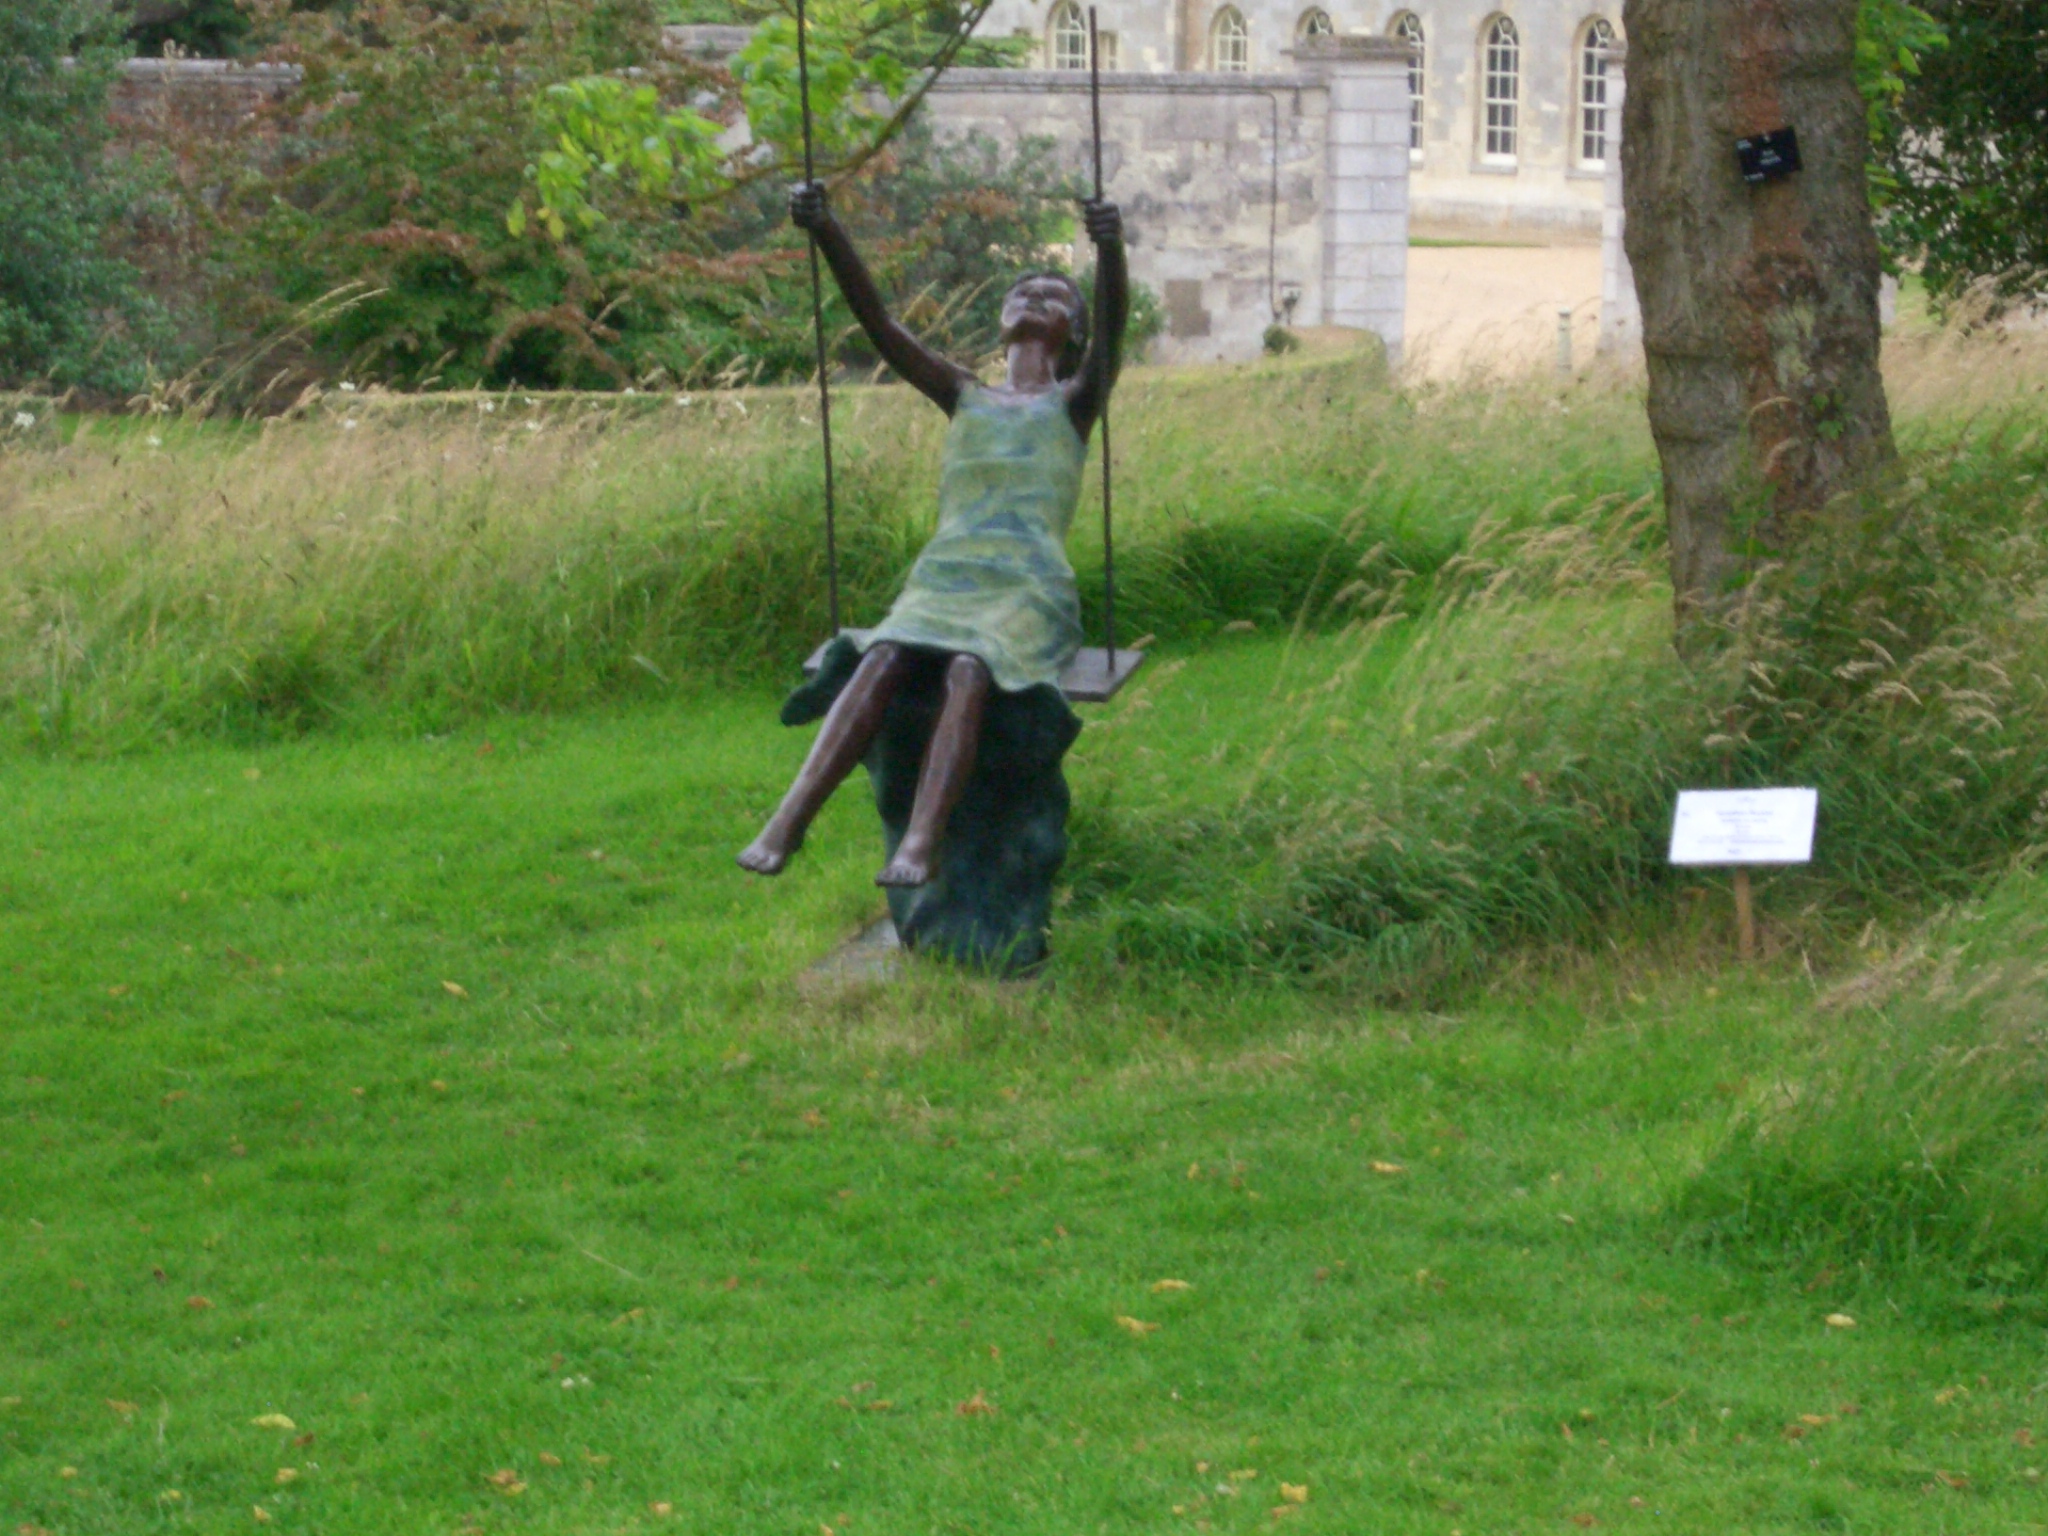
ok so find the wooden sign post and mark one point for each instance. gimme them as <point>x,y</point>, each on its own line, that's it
<point>1740,829</point>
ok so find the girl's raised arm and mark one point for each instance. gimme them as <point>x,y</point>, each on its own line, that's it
<point>936,378</point>
<point>1089,390</point>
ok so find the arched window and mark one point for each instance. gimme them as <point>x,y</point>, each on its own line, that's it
<point>1066,39</point>
<point>1230,42</point>
<point>1501,65</point>
<point>1596,56</point>
<point>1407,26</point>
<point>1315,22</point>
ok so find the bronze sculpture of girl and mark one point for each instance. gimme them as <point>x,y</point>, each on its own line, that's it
<point>991,602</point>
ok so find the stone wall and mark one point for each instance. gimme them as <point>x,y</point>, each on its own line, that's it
<point>1218,226</point>
<point>202,98</point>
<point>1249,198</point>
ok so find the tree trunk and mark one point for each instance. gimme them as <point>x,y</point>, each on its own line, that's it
<point>1759,302</point>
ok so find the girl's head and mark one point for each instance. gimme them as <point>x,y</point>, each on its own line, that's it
<point>1048,305</point>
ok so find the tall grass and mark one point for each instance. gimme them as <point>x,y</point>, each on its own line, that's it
<point>1920,1137</point>
<point>1490,758</point>
<point>385,561</point>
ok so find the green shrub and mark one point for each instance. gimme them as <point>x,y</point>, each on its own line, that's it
<point>367,219</point>
<point>71,310</point>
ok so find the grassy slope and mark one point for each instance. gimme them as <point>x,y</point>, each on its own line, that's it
<point>636,1158</point>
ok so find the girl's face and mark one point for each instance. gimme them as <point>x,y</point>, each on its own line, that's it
<point>1041,307</point>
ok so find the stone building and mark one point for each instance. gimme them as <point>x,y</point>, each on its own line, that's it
<point>1512,123</point>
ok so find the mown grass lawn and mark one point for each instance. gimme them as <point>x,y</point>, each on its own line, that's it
<point>456,1100</point>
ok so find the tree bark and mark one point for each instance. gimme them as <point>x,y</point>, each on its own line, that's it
<point>1759,302</point>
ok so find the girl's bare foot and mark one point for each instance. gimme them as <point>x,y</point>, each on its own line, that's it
<point>910,867</point>
<point>768,853</point>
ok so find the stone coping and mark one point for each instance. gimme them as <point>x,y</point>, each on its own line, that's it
<point>230,71</point>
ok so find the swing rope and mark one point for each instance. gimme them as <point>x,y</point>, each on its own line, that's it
<point>1108,534</point>
<point>803,78</point>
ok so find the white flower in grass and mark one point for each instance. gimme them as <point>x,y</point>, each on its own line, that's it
<point>347,388</point>
<point>348,424</point>
<point>154,441</point>
<point>486,406</point>
<point>23,420</point>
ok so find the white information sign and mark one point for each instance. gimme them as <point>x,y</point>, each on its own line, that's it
<point>1744,826</point>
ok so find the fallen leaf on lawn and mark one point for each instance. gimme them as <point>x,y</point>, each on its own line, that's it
<point>2023,1437</point>
<point>814,1120</point>
<point>662,1508</point>
<point>627,1317</point>
<point>1136,1327</point>
<point>1570,1221</point>
<point>126,1410</point>
<point>1245,1476</point>
<point>262,1515</point>
<point>1585,1521</point>
<point>1294,1493</point>
<point>272,1421</point>
<point>1795,1431</point>
<point>1386,1168</point>
<point>438,1086</point>
<point>117,991</point>
<point>1948,1395</point>
<point>198,1303</point>
<point>550,1459</point>
<point>1841,1320</point>
<point>884,1405</point>
<point>1160,1287</point>
<point>596,1460</point>
<point>1952,1480</point>
<point>1816,1420</point>
<point>287,1475</point>
<point>67,1473</point>
<point>976,1407</point>
<point>504,1477</point>
<point>171,1496</point>
<point>454,989</point>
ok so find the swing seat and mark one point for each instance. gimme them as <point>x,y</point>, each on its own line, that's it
<point>1087,679</point>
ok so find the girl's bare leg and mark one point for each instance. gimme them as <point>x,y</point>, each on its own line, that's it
<point>948,764</point>
<point>849,729</point>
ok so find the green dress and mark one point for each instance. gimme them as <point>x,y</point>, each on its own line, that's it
<point>994,582</point>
